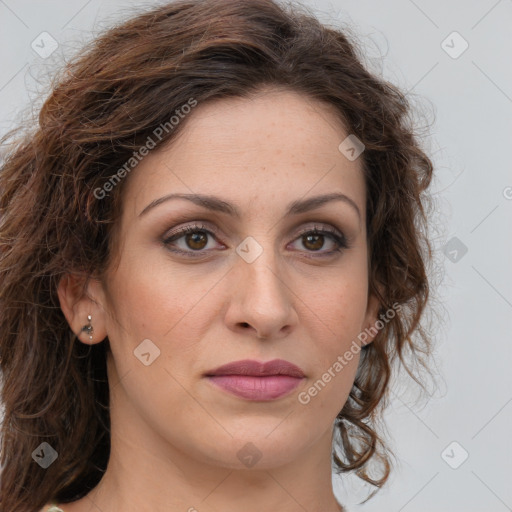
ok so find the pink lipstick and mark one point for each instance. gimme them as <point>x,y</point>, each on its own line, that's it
<point>253,380</point>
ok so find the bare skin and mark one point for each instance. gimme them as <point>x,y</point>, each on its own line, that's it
<point>176,438</point>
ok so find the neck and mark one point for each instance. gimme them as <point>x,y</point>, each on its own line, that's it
<point>143,476</point>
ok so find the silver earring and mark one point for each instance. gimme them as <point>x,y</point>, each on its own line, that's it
<point>88,328</point>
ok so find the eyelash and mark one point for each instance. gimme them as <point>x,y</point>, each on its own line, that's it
<point>335,235</point>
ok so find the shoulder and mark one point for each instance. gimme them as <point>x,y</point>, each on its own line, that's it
<point>51,508</point>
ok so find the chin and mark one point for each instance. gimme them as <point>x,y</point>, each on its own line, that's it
<point>258,449</point>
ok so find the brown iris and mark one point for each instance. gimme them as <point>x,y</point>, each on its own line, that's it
<point>319,241</point>
<point>194,240</point>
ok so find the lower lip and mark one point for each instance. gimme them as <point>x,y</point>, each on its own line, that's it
<point>256,388</point>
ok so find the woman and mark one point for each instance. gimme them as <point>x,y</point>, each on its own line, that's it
<point>213,250</point>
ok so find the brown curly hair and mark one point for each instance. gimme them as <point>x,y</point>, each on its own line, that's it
<point>103,106</point>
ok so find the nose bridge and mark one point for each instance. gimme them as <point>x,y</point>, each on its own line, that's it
<point>265,297</point>
<point>259,265</point>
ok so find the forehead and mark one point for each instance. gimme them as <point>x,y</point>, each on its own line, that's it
<point>274,147</point>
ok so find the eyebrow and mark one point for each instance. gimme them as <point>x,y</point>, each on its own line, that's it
<point>218,205</point>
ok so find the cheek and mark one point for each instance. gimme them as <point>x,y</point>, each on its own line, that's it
<point>153,301</point>
<point>153,304</point>
<point>151,297</point>
<point>339,296</point>
<point>340,309</point>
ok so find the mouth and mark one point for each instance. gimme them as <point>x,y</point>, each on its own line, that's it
<point>253,380</point>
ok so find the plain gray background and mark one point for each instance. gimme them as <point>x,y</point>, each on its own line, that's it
<point>412,44</point>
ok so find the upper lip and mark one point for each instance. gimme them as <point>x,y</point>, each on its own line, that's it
<point>250,367</point>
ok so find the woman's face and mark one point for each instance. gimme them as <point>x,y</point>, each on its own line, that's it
<point>257,285</point>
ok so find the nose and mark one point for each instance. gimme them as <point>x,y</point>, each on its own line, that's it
<point>261,299</point>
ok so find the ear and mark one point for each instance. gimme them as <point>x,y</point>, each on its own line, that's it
<point>371,317</point>
<point>77,306</point>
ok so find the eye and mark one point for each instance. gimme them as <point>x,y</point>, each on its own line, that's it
<point>314,240</point>
<point>195,240</point>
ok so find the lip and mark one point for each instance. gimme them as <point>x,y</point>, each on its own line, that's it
<point>258,381</point>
